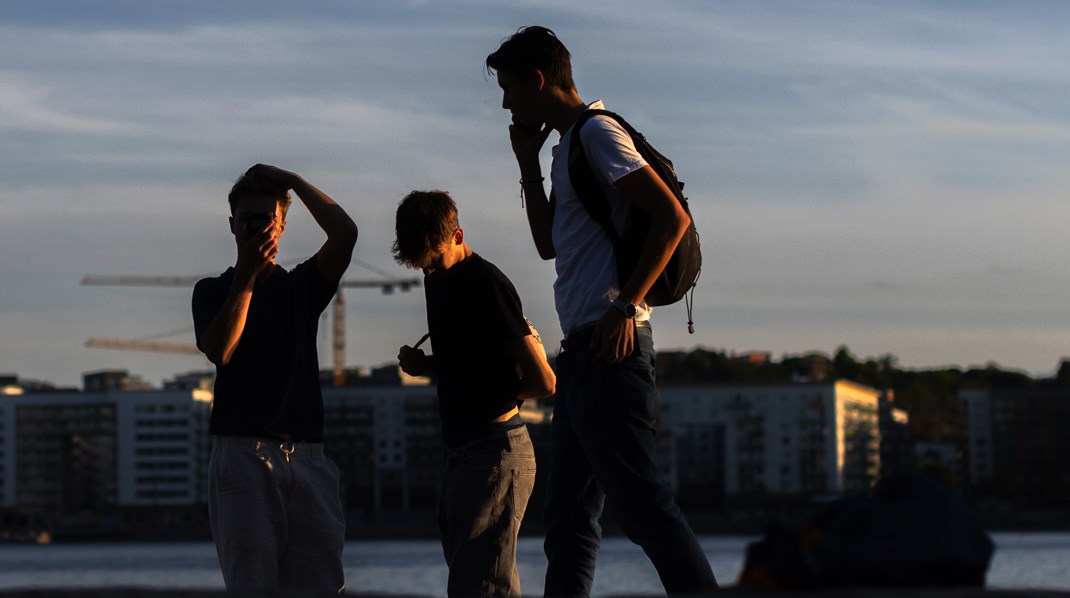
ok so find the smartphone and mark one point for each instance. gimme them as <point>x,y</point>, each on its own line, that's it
<point>532,128</point>
<point>254,223</point>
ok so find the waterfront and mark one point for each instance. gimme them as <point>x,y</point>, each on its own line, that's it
<point>1023,560</point>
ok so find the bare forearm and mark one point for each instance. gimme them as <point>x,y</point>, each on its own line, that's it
<point>537,378</point>
<point>540,217</point>
<point>668,223</point>
<point>538,386</point>
<point>526,146</point>
<point>325,211</point>
<point>664,236</point>
<point>222,336</point>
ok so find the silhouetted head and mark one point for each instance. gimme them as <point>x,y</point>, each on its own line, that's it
<point>534,48</point>
<point>255,202</point>
<point>256,185</point>
<point>428,232</point>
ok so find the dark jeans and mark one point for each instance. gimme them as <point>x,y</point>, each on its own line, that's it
<point>603,431</point>
<point>485,490</point>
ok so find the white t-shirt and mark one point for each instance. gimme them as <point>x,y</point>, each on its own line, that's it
<point>586,267</point>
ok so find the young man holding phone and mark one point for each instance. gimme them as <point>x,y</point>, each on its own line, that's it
<point>274,505</point>
<point>606,409</point>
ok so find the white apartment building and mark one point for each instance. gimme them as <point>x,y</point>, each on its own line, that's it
<point>68,452</point>
<point>162,447</point>
<point>779,438</point>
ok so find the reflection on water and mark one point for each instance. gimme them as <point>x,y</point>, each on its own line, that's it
<point>1027,560</point>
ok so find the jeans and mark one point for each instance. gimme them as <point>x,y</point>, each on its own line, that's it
<point>485,490</point>
<point>603,441</point>
<point>276,515</point>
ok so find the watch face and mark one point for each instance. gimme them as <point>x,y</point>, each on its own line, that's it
<point>629,310</point>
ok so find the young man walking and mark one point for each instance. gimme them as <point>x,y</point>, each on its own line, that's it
<point>606,404</point>
<point>273,499</point>
<point>487,362</point>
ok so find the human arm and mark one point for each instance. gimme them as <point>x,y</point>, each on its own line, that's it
<point>537,379</point>
<point>614,336</point>
<point>334,255</point>
<point>526,143</point>
<point>256,252</point>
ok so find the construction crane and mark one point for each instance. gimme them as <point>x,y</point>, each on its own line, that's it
<point>388,285</point>
<point>99,342</point>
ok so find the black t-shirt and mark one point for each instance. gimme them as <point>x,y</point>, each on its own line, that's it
<point>271,386</point>
<point>473,313</point>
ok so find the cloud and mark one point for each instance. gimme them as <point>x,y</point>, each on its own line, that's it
<point>24,107</point>
<point>855,167</point>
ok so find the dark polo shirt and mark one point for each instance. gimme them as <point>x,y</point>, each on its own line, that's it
<point>271,386</point>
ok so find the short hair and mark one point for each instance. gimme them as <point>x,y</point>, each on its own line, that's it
<point>532,48</point>
<point>425,221</point>
<point>252,184</point>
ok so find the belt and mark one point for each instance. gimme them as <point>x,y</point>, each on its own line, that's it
<point>259,443</point>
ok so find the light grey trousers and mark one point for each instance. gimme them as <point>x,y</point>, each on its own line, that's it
<point>276,515</point>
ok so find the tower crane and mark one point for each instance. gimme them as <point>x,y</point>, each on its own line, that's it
<point>387,286</point>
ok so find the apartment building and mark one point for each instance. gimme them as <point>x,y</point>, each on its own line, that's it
<point>737,441</point>
<point>387,444</point>
<point>65,454</point>
<point>1014,443</point>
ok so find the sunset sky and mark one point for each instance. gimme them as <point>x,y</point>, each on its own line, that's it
<point>892,176</point>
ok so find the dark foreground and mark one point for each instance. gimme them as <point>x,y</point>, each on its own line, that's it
<point>729,592</point>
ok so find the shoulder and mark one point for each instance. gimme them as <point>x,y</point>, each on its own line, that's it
<point>214,283</point>
<point>490,272</point>
<point>605,140</point>
<point>599,127</point>
<point>307,270</point>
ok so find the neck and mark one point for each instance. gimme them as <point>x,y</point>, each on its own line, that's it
<point>463,253</point>
<point>566,107</point>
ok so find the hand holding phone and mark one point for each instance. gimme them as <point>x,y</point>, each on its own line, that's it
<point>533,128</point>
<point>255,223</point>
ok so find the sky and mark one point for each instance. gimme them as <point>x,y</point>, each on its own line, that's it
<point>889,176</point>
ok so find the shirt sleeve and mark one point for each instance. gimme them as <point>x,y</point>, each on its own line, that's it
<point>609,148</point>
<point>320,290</point>
<point>206,303</point>
<point>506,302</point>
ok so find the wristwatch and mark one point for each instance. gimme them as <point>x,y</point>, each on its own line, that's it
<point>629,309</point>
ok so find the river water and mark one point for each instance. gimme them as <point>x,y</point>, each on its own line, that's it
<point>1022,560</point>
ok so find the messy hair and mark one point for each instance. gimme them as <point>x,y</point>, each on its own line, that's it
<point>534,48</point>
<point>252,184</point>
<point>425,221</point>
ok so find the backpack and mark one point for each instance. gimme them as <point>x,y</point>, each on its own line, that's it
<point>678,279</point>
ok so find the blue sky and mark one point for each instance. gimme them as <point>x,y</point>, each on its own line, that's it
<point>889,176</point>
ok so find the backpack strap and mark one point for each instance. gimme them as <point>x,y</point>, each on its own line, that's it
<point>587,188</point>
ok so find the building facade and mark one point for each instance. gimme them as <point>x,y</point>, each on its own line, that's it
<point>760,441</point>
<point>1014,444</point>
<point>70,458</point>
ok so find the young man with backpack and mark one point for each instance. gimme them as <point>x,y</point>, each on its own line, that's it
<point>605,415</point>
